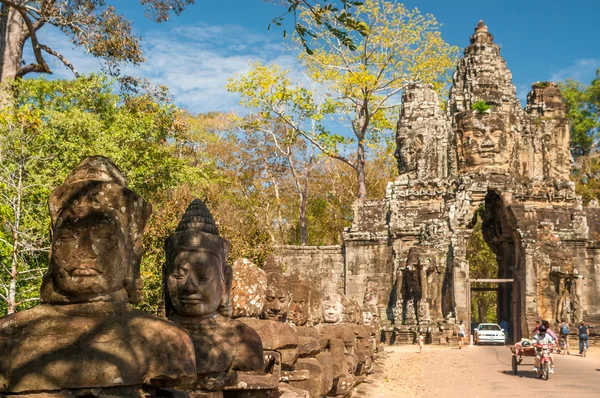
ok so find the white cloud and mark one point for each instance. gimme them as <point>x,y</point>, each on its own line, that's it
<point>582,70</point>
<point>194,61</point>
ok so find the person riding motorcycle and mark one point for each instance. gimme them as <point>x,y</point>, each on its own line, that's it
<point>542,337</point>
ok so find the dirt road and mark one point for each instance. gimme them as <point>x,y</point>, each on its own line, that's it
<point>477,371</point>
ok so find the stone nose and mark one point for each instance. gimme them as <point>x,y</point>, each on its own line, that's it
<point>487,142</point>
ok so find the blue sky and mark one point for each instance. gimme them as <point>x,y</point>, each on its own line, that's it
<point>195,53</point>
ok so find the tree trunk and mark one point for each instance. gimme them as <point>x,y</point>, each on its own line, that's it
<point>14,274</point>
<point>360,169</point>
<point>12,28</point>
<point>303,233</point>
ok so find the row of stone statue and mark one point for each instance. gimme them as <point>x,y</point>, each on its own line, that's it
<point>85,339</point>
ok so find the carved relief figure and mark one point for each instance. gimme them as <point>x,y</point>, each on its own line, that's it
<point>409,152</point>
<point>198,282</point>
<point>97,225</point>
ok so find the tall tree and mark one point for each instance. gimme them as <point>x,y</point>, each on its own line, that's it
<point>399,46</point>
<point>286,114</point>
<point>44,133</point>
<point>22,237</point>
<point>583,111</point>
<point>91,24</point>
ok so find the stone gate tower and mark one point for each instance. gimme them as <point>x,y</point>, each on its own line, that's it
<point>485,155</point>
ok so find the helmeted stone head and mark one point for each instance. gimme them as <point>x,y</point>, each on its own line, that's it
<point>333,307</point>
<point>196,275</point>
<point>352,312</point>
<point>485,141</point>
<point>97,226</point>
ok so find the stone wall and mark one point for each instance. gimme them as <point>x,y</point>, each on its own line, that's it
<point>315,265</point>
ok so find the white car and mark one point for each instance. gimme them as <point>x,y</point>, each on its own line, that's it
<point>489,333</point>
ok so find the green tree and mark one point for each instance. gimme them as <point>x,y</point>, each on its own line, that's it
<point>50,127</point>
<point>286,114</point>
<point>482,265</point>
<point>399,46</point>
<point>335,16</point>
<point>91,24</point>
<point>583,111</point>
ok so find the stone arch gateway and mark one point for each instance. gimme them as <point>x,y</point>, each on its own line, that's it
<point>513,160</point>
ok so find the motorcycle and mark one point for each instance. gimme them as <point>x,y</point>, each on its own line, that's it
<point>544,351</point>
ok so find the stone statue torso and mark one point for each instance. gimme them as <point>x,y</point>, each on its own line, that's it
<point>95,344</point>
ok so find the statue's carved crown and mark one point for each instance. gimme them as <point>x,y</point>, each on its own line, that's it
<point>197,231</point>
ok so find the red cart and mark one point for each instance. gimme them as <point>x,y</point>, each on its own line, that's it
<point>519,351</point>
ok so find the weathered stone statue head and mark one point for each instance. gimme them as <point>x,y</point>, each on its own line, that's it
<point>248,289</point>
<point>197,277</point>
<point>277,297</point>
<point>198,283</point>
<point>85,336</point>
<point>484,141</point>
<point>352,313</point>
<point>315,307</point>
<point>299,308</point>
<point>97,225</point>
<point>333,307</point>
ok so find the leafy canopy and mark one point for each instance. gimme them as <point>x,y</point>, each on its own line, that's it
<point>583,111</point>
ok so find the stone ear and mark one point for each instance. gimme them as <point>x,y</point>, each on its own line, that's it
<point>225,308</point>
<point>227,278</point>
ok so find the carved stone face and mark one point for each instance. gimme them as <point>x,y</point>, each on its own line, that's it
<point>89,256</point>
<point>298,313</point>
<point>409,152</point>
<point>195,283</point>
<point>351,311</point>
<point>367,317</point>
<point>484,142</point>
<point>332,308</point>
<point>277,298</point>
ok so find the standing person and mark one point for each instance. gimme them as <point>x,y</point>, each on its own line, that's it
<point>461,334</point>
<point>420,337</point>
<point>564,334</point>
<point>538,323</point>
<point>583,338</point>
<point>546,324</point>
<point>506,326</point>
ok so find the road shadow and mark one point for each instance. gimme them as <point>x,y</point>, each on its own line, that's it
<point>529,374</point>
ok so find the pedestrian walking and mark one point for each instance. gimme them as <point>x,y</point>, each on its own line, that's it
<point>461,334</point>
<point>505,326</point>
<point>583,339</point>
<point>564,335</point>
